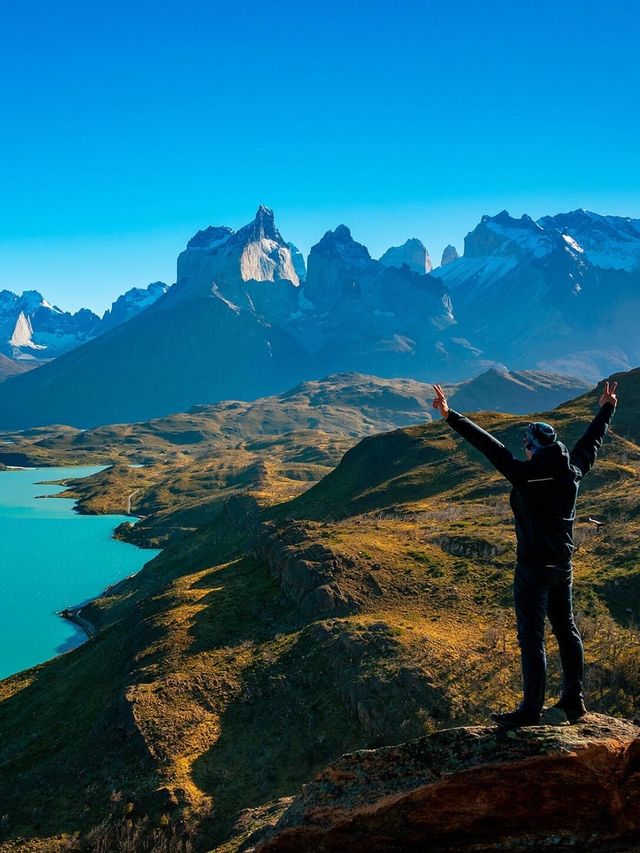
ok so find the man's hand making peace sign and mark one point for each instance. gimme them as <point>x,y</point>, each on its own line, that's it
<point>609,394</point>
<point>440,402</point>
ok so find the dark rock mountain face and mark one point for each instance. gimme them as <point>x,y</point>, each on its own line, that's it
<point>241,321</point>
<point>357,313</point>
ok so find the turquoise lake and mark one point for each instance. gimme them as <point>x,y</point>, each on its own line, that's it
<point>51,558</point>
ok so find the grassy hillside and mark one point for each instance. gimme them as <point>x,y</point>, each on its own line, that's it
<point>291,627</point>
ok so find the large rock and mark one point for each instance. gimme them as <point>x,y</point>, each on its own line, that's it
<point>479,789</point>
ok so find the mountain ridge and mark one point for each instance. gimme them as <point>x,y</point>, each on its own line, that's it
<point>240,322</point>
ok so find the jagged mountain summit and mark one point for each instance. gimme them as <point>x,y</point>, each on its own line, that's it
<point>211,336</point>
<point>239,324</point>
<point>131,303</point>
<point>413,253</point>
<point>356,313</point>
<point>530,295</point>
<point>608,242</point>
<point>449,254</point>
<point>32,330</point>
<point>242,322</point>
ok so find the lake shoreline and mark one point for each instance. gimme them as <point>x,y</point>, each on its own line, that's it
<point>76,614</point>
<point>73,614</point>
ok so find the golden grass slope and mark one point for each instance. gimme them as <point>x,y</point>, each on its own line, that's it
<point>280,633</point>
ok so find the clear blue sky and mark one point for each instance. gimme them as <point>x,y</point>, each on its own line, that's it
<point>129,125</point>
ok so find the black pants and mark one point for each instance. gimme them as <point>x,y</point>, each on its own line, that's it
<point>541,591</point>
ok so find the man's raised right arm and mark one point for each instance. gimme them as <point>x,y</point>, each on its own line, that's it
<point>500,457</point>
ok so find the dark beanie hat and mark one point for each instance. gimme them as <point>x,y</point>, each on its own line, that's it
<point>540,434</point>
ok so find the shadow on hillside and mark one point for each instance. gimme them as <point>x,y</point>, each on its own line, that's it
<point>244,603</point>
<point>307,697</point>
<point>76,749</point>
<point>275,737</point>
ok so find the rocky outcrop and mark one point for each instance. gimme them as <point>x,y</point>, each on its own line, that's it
<point>474,789</point>
<point>473,547</point>
<point>337,266</point>
<point>309,572</point>
<point>231,262</point>
<point>413,253</point>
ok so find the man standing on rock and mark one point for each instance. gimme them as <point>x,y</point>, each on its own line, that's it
<point>543,500</point>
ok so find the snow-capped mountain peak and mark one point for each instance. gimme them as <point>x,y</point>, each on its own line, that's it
<point>608,242</point>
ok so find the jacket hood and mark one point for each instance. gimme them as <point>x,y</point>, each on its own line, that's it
<point>555,457</point>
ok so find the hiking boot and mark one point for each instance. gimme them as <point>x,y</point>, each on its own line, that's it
<point>517,719</point>
<point>574,709</point>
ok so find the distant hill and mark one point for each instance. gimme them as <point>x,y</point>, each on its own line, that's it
<point>517,392</point>
<point>9,367</point>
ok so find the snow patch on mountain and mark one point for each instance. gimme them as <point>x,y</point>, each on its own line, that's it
<point>477,273</point>
<point>23,335</point>
<point>571,242</point>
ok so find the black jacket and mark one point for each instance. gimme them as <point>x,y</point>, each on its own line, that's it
<point>545,487</point>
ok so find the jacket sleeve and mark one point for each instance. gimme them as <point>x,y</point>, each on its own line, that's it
<point>500,457</point>
<point>586,450</point>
